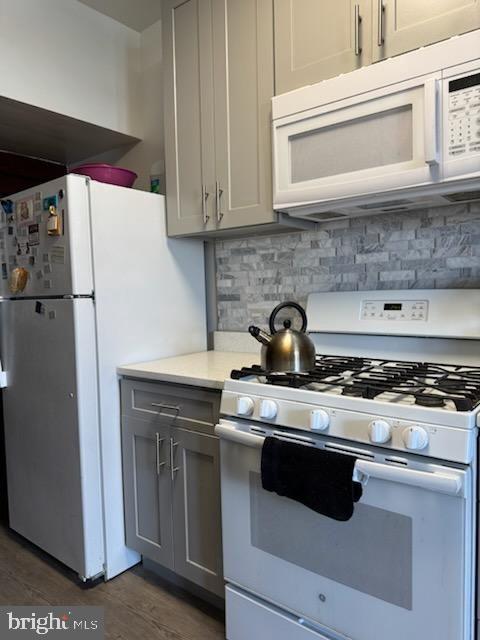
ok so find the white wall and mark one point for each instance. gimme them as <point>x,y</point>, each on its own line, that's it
<point>151,149</point>
<point>143,155</point>
<point>65,57</point>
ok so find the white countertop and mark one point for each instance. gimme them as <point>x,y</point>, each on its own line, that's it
<point>204,369</point>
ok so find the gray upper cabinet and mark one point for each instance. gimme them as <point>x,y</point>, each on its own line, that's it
<point>148,505</point>
<point>217,133</point>
<point>196,509</point>
<point>316,39</point>
<point>244,75</point>
<point>319,39</point>
<point>403,25</point>
<point>189,125</point>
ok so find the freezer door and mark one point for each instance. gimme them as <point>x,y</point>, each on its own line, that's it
<point>51,429</point>
<point>57,265</point>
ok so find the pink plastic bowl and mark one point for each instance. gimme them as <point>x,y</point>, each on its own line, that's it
<point>107,173</point>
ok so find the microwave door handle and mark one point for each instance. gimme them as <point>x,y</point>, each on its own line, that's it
<point>448,482</point>
<point>431,122</point>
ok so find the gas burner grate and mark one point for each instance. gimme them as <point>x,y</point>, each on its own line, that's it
<point>425,384</point>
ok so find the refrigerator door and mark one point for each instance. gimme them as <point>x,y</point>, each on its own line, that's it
<point>57,265</point>
<point>51,429</point>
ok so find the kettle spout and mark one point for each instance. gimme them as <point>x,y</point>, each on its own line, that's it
<point>259,335</point>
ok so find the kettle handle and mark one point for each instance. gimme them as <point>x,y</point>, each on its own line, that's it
<point>284,305</point>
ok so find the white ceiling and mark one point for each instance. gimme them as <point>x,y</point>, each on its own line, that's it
<point>136,14</point>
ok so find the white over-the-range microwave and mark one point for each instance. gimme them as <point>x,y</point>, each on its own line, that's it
<point>397,135</point>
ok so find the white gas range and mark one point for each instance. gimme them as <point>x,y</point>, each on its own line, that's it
<point>402,395</point>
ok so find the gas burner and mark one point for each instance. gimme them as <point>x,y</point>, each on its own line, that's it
<point>352,390</point>
<point>430,401</point>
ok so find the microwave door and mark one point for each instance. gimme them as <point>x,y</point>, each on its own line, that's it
<point>376,142</point>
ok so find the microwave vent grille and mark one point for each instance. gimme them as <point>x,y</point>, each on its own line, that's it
<point>383,205</point>
<point>463,196</point>
<point>327,215</point>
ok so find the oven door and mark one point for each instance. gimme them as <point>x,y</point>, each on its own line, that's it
<point>400,568</point>
<point>373,143</point>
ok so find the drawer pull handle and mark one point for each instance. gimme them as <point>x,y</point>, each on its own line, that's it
<point>173,468</point>
<point>167,407</point>
<point>158,443</point>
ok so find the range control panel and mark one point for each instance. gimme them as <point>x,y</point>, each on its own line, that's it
<point>464,115</point>
<point>398,310</point>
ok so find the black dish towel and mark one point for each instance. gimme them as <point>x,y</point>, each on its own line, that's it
<point>320,480</point>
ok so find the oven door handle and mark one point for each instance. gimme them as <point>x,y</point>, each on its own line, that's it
<point>449,482</point>
<point>240,437</point>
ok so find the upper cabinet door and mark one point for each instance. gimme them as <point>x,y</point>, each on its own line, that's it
<point>244,76</point>
<point>403,25</point>
<point>318,39</point>
<point>189,127</point>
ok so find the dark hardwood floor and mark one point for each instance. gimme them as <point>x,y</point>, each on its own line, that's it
<point>138,604</point>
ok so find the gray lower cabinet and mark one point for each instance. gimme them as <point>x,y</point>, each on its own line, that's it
<point>171,477</point>
<point>196,509</point>
<point>147,490</point>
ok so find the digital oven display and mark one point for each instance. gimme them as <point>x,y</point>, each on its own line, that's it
<point>392,306</point>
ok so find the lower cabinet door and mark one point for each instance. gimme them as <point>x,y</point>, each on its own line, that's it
<point>147,489</point>
<point>196,509</point>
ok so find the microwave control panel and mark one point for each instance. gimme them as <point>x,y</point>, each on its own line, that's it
<point>403,310</point>
<point>464,115</point>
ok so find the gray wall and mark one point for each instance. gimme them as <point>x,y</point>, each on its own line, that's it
<point>430,248</point>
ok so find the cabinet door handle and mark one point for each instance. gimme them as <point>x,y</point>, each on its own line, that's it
<point>358,20</point>
<point>380,14</point>
<point>218,195</point>
<point>158,444</point>
<point>205,196</point>
<point>173,468</point>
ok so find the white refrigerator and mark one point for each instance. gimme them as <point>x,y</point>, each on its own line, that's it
<point>105,287</point>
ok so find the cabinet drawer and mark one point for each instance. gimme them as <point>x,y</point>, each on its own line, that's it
<point>173,404</point>
<point>248,617</point>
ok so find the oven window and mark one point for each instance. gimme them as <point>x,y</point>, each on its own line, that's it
<point>377,140</point>
<point>371,553</point>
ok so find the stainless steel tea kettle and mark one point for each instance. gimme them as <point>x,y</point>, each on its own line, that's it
<point>286,350</point>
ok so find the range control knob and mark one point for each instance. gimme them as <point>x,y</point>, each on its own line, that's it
<point>268,409</point>
<point>245,406</point>
<point>415,438</point>
<point>319,420</point>
<point>379,431</point>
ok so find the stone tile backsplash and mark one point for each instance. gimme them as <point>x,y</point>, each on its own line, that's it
<point>425,249</point>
